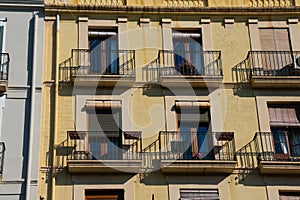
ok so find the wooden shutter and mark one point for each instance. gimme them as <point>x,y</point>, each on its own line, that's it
<point>104,195</point>
<point>282,40</point>
<point>274,39</point>
<point>106,119</point>
<point>188,116</point>
<point>289,196</point>
<point>284,115</point>
<point>205,194</point>
<point>267,40</point>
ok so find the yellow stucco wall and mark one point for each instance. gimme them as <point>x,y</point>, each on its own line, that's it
<point>148,104</point>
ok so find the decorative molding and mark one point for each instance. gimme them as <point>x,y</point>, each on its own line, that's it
<point>253,21</point>
<point>166,20</point>
<point>102,2</point>
<point>229,23</point>
<point>293,21</point>
<point>122,20</point>
<point>205,21</point>
<point>83,19</point>
<point>271,3</point>
<point>144,20</point>
<point>183,3</point>
<point>50,18</point>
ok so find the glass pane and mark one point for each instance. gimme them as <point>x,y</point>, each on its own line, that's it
<point>1,38</point>
<point>185,137</point>
<point>95,56</point>
<point>280,143</point>
<point>187,55</point>
<point>203,142</point>
<point>295,142</point>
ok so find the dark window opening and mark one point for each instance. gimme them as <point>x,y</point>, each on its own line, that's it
<point>193,125</point>
<point>104,195</point>
<point>188,55</point>
<point>103,45</point>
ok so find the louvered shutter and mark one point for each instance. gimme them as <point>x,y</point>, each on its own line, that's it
<point>289,196</point>
<point>189,116</point>
<point>107,119</point>
<point>282,41</point>
<point>274,40</point>
<point>284,115</point>
<point>267,39</point>
<point>199,194</point>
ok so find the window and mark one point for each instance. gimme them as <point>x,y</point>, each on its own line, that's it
<point>289,195</point>
<point>193,125</point>
<point>104,195</point>
<point>103,45</point>
<point>104,134</point>
<point>188,51</point>
<point>2,23</point>
<point>274,39</point>
<point>4,59</point>
<point>199,194</point>
<point>276,58</point>
<point>285,127</point>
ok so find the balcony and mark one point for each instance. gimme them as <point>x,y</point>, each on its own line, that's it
<point>264,152</point>
<point>185,68</point>
<point>103,68</point>
<point>270,69</point>
<point>4,66</point>
<point>197,152</point>
<point>104,152</point>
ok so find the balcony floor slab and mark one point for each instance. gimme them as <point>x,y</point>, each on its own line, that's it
<point>197,166</point>
<point>275,81</point>
<point>279,167</point>
<point>104,166</point>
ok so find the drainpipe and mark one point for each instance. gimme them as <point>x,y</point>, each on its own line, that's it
<point>55,107</point>
<point>32,107</point>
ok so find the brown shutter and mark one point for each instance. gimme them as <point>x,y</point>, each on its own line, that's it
<point>284,115</point>
<point>205,194</point>
<point>267,42</point>
<point>281,38</point>
<point>104,120</point>
<point>274,39</point>
<point>289,196</point>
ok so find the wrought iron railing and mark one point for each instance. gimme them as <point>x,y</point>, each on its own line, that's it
<point>268,63</point>
<point>4,66</point>
<point>2,153</point>
<point>184,63</point>
<point>190,63</point>
<point>150,154</point>
<point>108,145</point>
<point>196,146</point>
<point>151,71</point>
<point>263,147</point>
<point>83,62</point>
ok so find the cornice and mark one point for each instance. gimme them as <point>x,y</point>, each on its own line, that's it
<point>67,8</point>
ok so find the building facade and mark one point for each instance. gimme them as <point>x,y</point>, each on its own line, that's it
<point>22,46</point>
<point>171,99</point>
